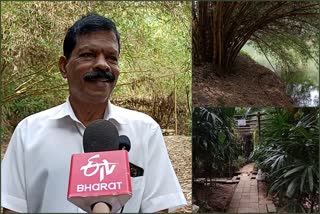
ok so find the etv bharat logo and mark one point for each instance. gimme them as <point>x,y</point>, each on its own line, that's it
<point>105,167</point>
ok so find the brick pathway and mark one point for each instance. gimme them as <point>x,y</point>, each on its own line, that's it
<point>247,198</point>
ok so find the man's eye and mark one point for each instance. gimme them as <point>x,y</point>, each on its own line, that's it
<point>87,55</point>
<point>113,58</point>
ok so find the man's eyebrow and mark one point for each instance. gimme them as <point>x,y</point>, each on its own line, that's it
<point>94,48</point>
<point>87,48</point>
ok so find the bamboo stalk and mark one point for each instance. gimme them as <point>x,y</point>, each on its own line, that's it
<point>175,105</point>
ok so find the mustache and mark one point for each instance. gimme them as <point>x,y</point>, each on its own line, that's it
<point>98,74</point>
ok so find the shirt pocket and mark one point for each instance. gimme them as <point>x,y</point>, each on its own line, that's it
<point>137,183</point>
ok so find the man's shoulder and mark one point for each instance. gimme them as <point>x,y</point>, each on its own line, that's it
<point>41,116</point>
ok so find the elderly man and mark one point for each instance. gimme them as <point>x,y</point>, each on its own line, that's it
<point>35,168</point>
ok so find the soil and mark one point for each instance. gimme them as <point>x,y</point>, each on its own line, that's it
<point>246,84</point>
<point>179,149</point>
<point>218,197</point>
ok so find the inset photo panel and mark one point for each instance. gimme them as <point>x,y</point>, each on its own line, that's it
<point>255,53</point>
<point>255,160</point>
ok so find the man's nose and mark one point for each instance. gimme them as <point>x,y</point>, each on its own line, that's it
<point>101,63</point>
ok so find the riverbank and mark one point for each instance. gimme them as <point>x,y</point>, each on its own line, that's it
<point>246,84</point>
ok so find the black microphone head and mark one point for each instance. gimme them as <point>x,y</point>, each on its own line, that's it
<point>100,135</point>
<point>124,143</point>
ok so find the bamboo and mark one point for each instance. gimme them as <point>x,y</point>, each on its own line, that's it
<point>214,30</point>
<point>175,105</point>
<point>220,33</point>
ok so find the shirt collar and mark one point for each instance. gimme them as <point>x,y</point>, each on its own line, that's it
<point>112,112</point>
<point>65,110</point>
<point>115,113</point>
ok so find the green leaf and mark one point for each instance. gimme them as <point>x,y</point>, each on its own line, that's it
<point>303,179</point>
<point>292,187</point>
<point>292,171</point>
<point>310,177</point>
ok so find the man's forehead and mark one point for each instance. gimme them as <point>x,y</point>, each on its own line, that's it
<point>97,38</point>
<point>101,34</point>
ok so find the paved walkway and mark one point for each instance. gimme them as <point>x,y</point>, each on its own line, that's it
<point>247,198</point>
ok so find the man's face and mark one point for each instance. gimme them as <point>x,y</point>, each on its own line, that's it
<point>93,51</point>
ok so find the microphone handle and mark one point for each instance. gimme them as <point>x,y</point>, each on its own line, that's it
<point>101,207</point>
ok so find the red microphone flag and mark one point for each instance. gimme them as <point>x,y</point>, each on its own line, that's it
<point>100,176</point>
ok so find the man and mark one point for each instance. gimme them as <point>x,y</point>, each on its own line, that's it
<point>35,168</point>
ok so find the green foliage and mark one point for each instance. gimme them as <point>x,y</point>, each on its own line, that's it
<point>214,142</point>
<point>291,40</point>
<point>245,54</point>
<point>240,111</point>
<point>240,162</point>
<point>256,136</point>
<point>289,152</point>
<point>286,30</point>
<point>295,57</point>
<point>215,149</point>
<point>155,52</point>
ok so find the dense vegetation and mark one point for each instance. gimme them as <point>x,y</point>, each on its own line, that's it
<point>155,62</point>
<point>285,34</point>
<point>288,151</point>
<point>215,150</point>
<point>286,30</point>
<point>215,143</point>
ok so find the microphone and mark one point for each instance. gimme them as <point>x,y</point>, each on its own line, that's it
<point>102,173</point>
<point>100,135</point>
<point>124,143</point>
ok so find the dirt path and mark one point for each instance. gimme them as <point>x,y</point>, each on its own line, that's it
<point>179,149</point>
<point>248,84</point>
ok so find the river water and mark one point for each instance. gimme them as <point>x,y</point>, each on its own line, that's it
<point>304,93</point>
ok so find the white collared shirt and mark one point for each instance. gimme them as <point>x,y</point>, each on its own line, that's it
<point>35,168</point>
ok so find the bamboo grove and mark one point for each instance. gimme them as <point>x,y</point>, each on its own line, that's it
<point>155,63</point>
<point>222,28</point>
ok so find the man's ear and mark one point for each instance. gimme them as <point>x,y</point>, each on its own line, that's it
<point>62,66</point>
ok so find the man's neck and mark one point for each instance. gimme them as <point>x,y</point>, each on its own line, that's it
<point>88,112</point>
